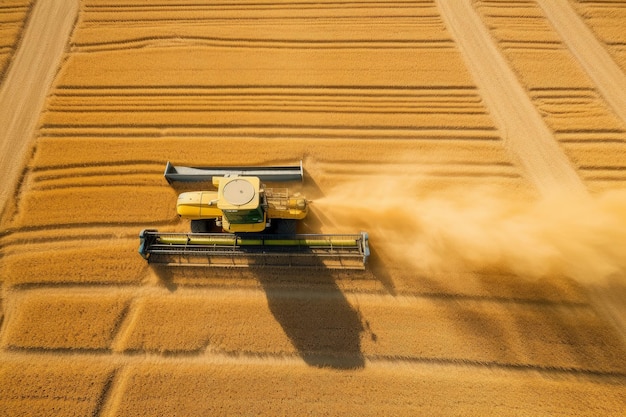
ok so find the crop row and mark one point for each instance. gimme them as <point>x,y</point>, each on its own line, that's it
<point>163,16</point>
<point>52,386</point>
<point>317,325</point>
<point>89,386</point>
<point>75,260</point>
<point>13,16</point>
<point>53,152</point>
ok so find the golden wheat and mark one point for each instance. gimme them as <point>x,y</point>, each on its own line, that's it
<point>401,390</point>
<point>13,16</point>
<point>586,112</point>
<point>218,151</point>
<point>409,329</point>
<point>98,205</point>
<point>81,262</point>
<point>44,387</point>
<point>376,99</point>
<point>65,322</point>
<point>607,22</point>
<point>165,324</point>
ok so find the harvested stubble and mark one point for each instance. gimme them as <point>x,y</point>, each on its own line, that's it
<point>55,321</point>
<point>83,262</point>
<point>39,386</point>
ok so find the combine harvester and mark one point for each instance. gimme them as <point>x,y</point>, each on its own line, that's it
<point>244,224</point>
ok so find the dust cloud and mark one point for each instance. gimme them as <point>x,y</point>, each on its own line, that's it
<point>483,229</point>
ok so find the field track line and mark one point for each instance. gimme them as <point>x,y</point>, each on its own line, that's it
<point>590,53</point>
<point>525,133</point>
<point>26,86</point>
<point>291,361</point>
<point>238,293</point>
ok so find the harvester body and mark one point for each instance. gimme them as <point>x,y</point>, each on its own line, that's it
<point>241,204</point>
<point>256,225</point>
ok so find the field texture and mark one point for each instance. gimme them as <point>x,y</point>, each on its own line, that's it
<point>13,15</point>
<point>480,143</point>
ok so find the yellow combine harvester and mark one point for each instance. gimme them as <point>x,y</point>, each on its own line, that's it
<point>243,223</point>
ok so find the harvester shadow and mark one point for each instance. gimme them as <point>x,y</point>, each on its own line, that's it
<point>308,304</point>
<point>320,322</point>
<point>322,325</point>
<point>313,311</point>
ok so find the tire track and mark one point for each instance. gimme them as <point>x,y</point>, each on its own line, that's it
<point>27,83</point>
<point>293,360</point>
<point>524,132</point>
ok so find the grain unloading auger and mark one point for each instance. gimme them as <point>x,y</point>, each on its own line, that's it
<point>244,224</point>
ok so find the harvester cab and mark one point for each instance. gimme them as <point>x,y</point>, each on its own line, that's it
<point>242,204</point>
<point>256,226</point>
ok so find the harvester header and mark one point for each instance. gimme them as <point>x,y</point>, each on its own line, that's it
<point>244,224</point>
<point>225,250</point>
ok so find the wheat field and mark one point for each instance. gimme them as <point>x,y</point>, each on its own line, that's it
<point>480,144</point>
<point>13,15</point>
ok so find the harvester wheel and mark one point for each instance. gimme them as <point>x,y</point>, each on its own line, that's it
<point>200,226</point>
<point>286,227</point>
